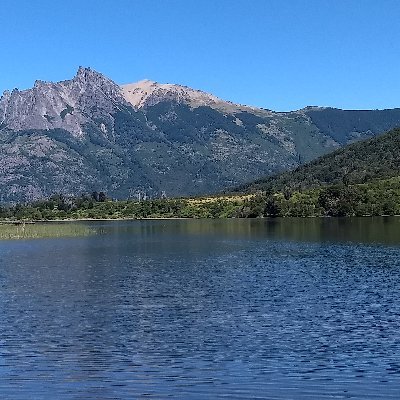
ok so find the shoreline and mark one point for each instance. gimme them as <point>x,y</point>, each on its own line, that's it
<point>43,221</point>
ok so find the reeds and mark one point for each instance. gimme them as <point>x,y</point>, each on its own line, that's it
<point>43,230</point>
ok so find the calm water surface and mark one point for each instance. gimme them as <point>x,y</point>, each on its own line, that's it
<point>281,309</point>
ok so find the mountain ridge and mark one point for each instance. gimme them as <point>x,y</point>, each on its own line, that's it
<point>83,134</point>
<point>143,84</point>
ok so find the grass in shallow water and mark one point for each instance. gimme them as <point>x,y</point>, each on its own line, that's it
<point>36,231</point>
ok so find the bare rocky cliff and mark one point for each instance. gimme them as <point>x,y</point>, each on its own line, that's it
<point>65,105</point>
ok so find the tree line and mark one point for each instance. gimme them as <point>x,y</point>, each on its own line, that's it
<point>381,197</point>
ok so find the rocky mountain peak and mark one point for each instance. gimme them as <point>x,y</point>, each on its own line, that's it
<point>6,95</point>
<point>84,71</point>
<point>94,85</point>
<point>88,76</point>
<point>38,83</point>
<point>65,105</point>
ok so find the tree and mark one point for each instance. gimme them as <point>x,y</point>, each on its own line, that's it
<point>272,207</point>
<point>102,197</point>
<point>95,196</point>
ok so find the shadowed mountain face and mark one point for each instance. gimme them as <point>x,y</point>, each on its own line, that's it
<point>89,133</point>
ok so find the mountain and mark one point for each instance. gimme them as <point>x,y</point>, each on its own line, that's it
<point>148,93</point>
<point>370,160</point>
<point>89,133</point>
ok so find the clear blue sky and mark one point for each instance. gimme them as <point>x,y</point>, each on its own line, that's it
<point>275,54</point>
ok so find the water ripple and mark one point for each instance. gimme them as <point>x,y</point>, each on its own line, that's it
<point>159,313</point>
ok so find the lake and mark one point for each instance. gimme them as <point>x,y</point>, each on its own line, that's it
<point>200,309</point>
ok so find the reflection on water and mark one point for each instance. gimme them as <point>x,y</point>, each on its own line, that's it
<point>363,230</point>
<point>286,309</point>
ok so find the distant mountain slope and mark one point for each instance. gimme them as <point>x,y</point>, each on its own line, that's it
<point>372,159</point>
<point>89,133</point>
<point>349,125</point>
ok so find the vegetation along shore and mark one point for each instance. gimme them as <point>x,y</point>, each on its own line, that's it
<point>35,231</point>
<point>377,198</point>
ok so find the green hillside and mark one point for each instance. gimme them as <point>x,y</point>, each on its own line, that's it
<point>361,162</point>
<point>377,198</point>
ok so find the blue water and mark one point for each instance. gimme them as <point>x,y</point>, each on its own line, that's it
<point>282,309</point>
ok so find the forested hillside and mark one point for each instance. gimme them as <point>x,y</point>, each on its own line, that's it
<point>361,162</point>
